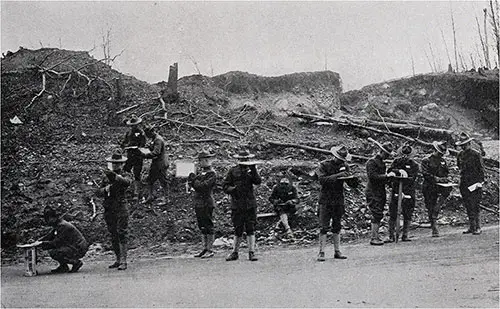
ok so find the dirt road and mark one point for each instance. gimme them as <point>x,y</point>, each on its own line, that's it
<point>451,271</point>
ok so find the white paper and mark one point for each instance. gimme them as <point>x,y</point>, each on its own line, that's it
<point>184,168</point>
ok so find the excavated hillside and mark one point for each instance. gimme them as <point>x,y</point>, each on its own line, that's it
<point>55,156</point>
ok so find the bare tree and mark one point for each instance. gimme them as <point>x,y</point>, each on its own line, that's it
<point>454,37</point>
<point>496,24</point>
<point>486,48</point>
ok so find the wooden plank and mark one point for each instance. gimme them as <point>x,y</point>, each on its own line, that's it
<point>267,215</point>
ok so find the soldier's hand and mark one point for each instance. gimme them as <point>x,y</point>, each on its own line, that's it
<point>230,189</point>
<point>342,174</point>
<point>391,174</point>
<point>110,174</point>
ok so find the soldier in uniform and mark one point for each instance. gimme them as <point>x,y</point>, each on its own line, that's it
<point>284,198</point>
<point>331,199</point>
<point>403,166</point>
<point>203,183</point>
<point>375,189</point>
<point>471,167</point>
<point>113,186</point>
<point>435,171</point>
<point>159,164</point>
<point>134,138</point>
<point>239,183</point>
<point>65,242</point>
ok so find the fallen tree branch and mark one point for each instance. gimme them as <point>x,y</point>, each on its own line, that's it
<point>208,140</point>
<point>313,149</point>
<point>224,120</point>
<point>489,209</point>
<point>195,126</point>
<point>39,94</point>
<point>127,109</point>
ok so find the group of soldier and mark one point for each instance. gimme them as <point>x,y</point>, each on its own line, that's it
<point>67,245</point>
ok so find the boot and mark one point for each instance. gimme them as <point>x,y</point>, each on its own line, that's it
<point>209,253</point>
<point>204,247</point>
<point>406,226</point>
<point>62,268</point>
<point>322,244</point>
<point>150,198</point>
<point>76,266</point>
<point>435,231</point>
<point>336,246</point>
<point>251,248</point>
<point>116,249</point>
<point>470,230</point>
<point>236,246</point>
<point>375,241</point>
<point>123,253</point>
<point>477,226</point>
<point>392,225</point>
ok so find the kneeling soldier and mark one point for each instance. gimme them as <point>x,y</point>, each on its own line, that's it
<point>65,242</point>
<point>403,166</point>
<point>203,183</point>
<point>284,198</point>
<point>331,199</point>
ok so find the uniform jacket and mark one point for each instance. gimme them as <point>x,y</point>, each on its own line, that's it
<point>134,137</point>
<point>114,201</point>
<point>375,169</point>
<point>65,234</point>
<point>282,193</point>
<point>433,166</point>
<point>203,184</point>
<point>158,153</point>
<point>242,196</point>
<point>411,167</point>
<point>332,189</point>
<point>471,167</point>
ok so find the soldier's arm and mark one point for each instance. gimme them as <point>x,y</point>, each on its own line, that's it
<point>426,172</point>
<point>206,184</point>
<point>256,179</point>
<point>122,180</point>
<point>125,140</point>
<point>274,199</point>
<point>228,184</point>
<point>101,191</point>
<point>143,140</point>
<point>156,151</point>
<point>481,167</point>
<point>371,171</point>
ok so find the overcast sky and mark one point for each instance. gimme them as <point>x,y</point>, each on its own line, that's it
<point>366,42</point>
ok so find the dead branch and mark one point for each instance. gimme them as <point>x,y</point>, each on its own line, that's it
<point>224,120</point>
<point>309,148</point>
<point>196,126</point>
<point>65,83</point>
<point>489,209</point>
<point>39,94</point>
<point>127,109</point>
<point>208,140</point>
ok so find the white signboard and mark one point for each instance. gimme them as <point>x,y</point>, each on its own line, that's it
<point>184,168</point>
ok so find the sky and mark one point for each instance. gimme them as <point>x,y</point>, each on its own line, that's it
<point>365,42</point>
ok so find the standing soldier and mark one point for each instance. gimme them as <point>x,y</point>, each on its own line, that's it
<point>203,183</point>
<point>239,183</point>
<point>134,138</point>
<point>435,171</point>
<point>471,167</point>
<point>331,199</point>
<point>375,189</point>
<point>113,187</point>
<point>284,198</point>
<point>403,166</point>
<point>159,164</point>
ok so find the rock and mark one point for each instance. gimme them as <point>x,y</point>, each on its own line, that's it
<point>223,242</point>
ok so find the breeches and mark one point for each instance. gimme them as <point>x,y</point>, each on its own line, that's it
<point>159,174</point>
<point>134,164</point>
<point>244,220</point>
<point>66,254</point>
<point>204,217</point>
<point>471,201</point>
<point>117,226</point>
<point>376,205</point>
<point>431,200</point>
<point>331,213</point>
<point>407,207</point>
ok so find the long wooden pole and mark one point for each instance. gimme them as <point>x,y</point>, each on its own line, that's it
<point>454,38</point>
<point>486,39</point>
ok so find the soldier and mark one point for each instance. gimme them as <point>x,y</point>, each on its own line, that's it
<point>435,171</point>
<point>331,199</point>
<point>203,183</point>
<point>65,242</point>
<point>471,167</point>
<point>113,187</point>
<point>134,138</point>
<point>375,189</point>
<point>238,184</point>
<point>159,164</point>
<point>403,166</point>
<point>284,198</point>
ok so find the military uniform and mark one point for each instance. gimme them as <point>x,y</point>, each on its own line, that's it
<point>375,189</point>
<point>159,164</point>
<point>203,184</point>
<point>281,194</point>
<point>407,204</point>
<point>65,243</point>
<point>434,166</point>
<point>471,167</point>
<point>135,137</point>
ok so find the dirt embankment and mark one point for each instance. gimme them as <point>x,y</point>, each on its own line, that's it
<point>56,154</point>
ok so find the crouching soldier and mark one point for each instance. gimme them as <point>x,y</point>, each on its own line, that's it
<point>471,167</point>
<point>403,166</point>
<point>435,171</point>
<point>375,189</point>
<point>65,242</point>
<point>331,198</point>
<point>134,138</point>
<point>238,184</point>
<point>113,187</point>
<point>284,198</point>
<point>203,183</point>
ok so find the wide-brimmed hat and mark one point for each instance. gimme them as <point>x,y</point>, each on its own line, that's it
<point>463,139</point>
<point>387,147</point>
<point>244,154</point>
<point>341,153</point>
<point>134,120</point>
<point>440,147</point>
<point>205,154</point>
<point>116,158</point>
